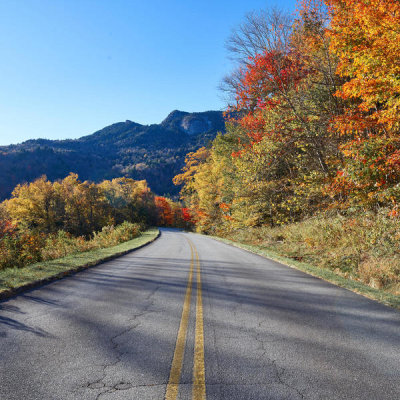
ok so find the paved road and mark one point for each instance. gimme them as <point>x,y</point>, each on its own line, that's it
<point>144,327</point>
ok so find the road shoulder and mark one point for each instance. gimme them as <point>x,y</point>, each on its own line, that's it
<point>17,280</point>
<point>381,296</point>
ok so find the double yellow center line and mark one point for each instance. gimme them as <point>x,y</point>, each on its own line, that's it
<point>199,384</point>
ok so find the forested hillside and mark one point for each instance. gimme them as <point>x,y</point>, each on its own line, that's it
<point>310,164</point>
<point>151,152</point>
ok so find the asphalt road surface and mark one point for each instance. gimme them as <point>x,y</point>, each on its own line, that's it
<point>188,317</point>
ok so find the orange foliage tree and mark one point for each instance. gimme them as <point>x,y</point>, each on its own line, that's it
<point>365,35</point>
<point>165,211</point>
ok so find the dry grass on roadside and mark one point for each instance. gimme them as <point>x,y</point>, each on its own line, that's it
<point>364,248</point>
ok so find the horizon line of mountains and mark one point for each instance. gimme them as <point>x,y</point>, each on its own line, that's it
<point>154,152</point>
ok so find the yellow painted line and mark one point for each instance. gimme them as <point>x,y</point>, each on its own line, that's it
<point>176,367</point>
<point>199,380</point>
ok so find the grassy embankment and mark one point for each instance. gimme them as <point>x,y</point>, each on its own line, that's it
<point>13,280</point>
<point>360,253</point>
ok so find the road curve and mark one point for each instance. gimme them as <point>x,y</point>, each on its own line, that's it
<point>189,317</point>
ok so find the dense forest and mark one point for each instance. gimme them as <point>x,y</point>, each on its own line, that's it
<point>310,163</point>
<point>154,153</point>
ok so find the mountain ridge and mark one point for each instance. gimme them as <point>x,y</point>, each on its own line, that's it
<point>153,152</point>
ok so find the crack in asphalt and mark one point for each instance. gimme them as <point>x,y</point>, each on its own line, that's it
<point>258,336</point>
<point>279,371</point>
<point>99,383</point>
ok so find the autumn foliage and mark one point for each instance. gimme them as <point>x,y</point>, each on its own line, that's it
<point>314,122</point>
<point>45,220</point>
<point>365,35</point>
<point>309,166</point>
<point>170,213</point>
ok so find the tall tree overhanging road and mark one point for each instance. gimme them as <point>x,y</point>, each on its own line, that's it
<point>189,317</point>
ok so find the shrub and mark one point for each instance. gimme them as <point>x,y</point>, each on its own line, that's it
<point>18,249</point>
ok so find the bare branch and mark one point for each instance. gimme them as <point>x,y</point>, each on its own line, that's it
<point>264,30</point>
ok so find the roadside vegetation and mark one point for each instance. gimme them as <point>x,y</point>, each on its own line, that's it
<point>387,297</point>
<point>363,249</point>
<point>310,165</point>
<point>13,279</point>
<point>46,220</point>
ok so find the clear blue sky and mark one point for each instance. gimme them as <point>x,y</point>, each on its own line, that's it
<point>71,67</point>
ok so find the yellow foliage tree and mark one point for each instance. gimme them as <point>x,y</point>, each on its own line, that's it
<point>37,205</point>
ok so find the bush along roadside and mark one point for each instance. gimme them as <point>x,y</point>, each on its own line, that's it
<point>44,220</point>
<point>15,280</point>
<point>21,248</point>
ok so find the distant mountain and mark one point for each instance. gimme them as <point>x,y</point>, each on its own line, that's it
<point>152,152</point>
